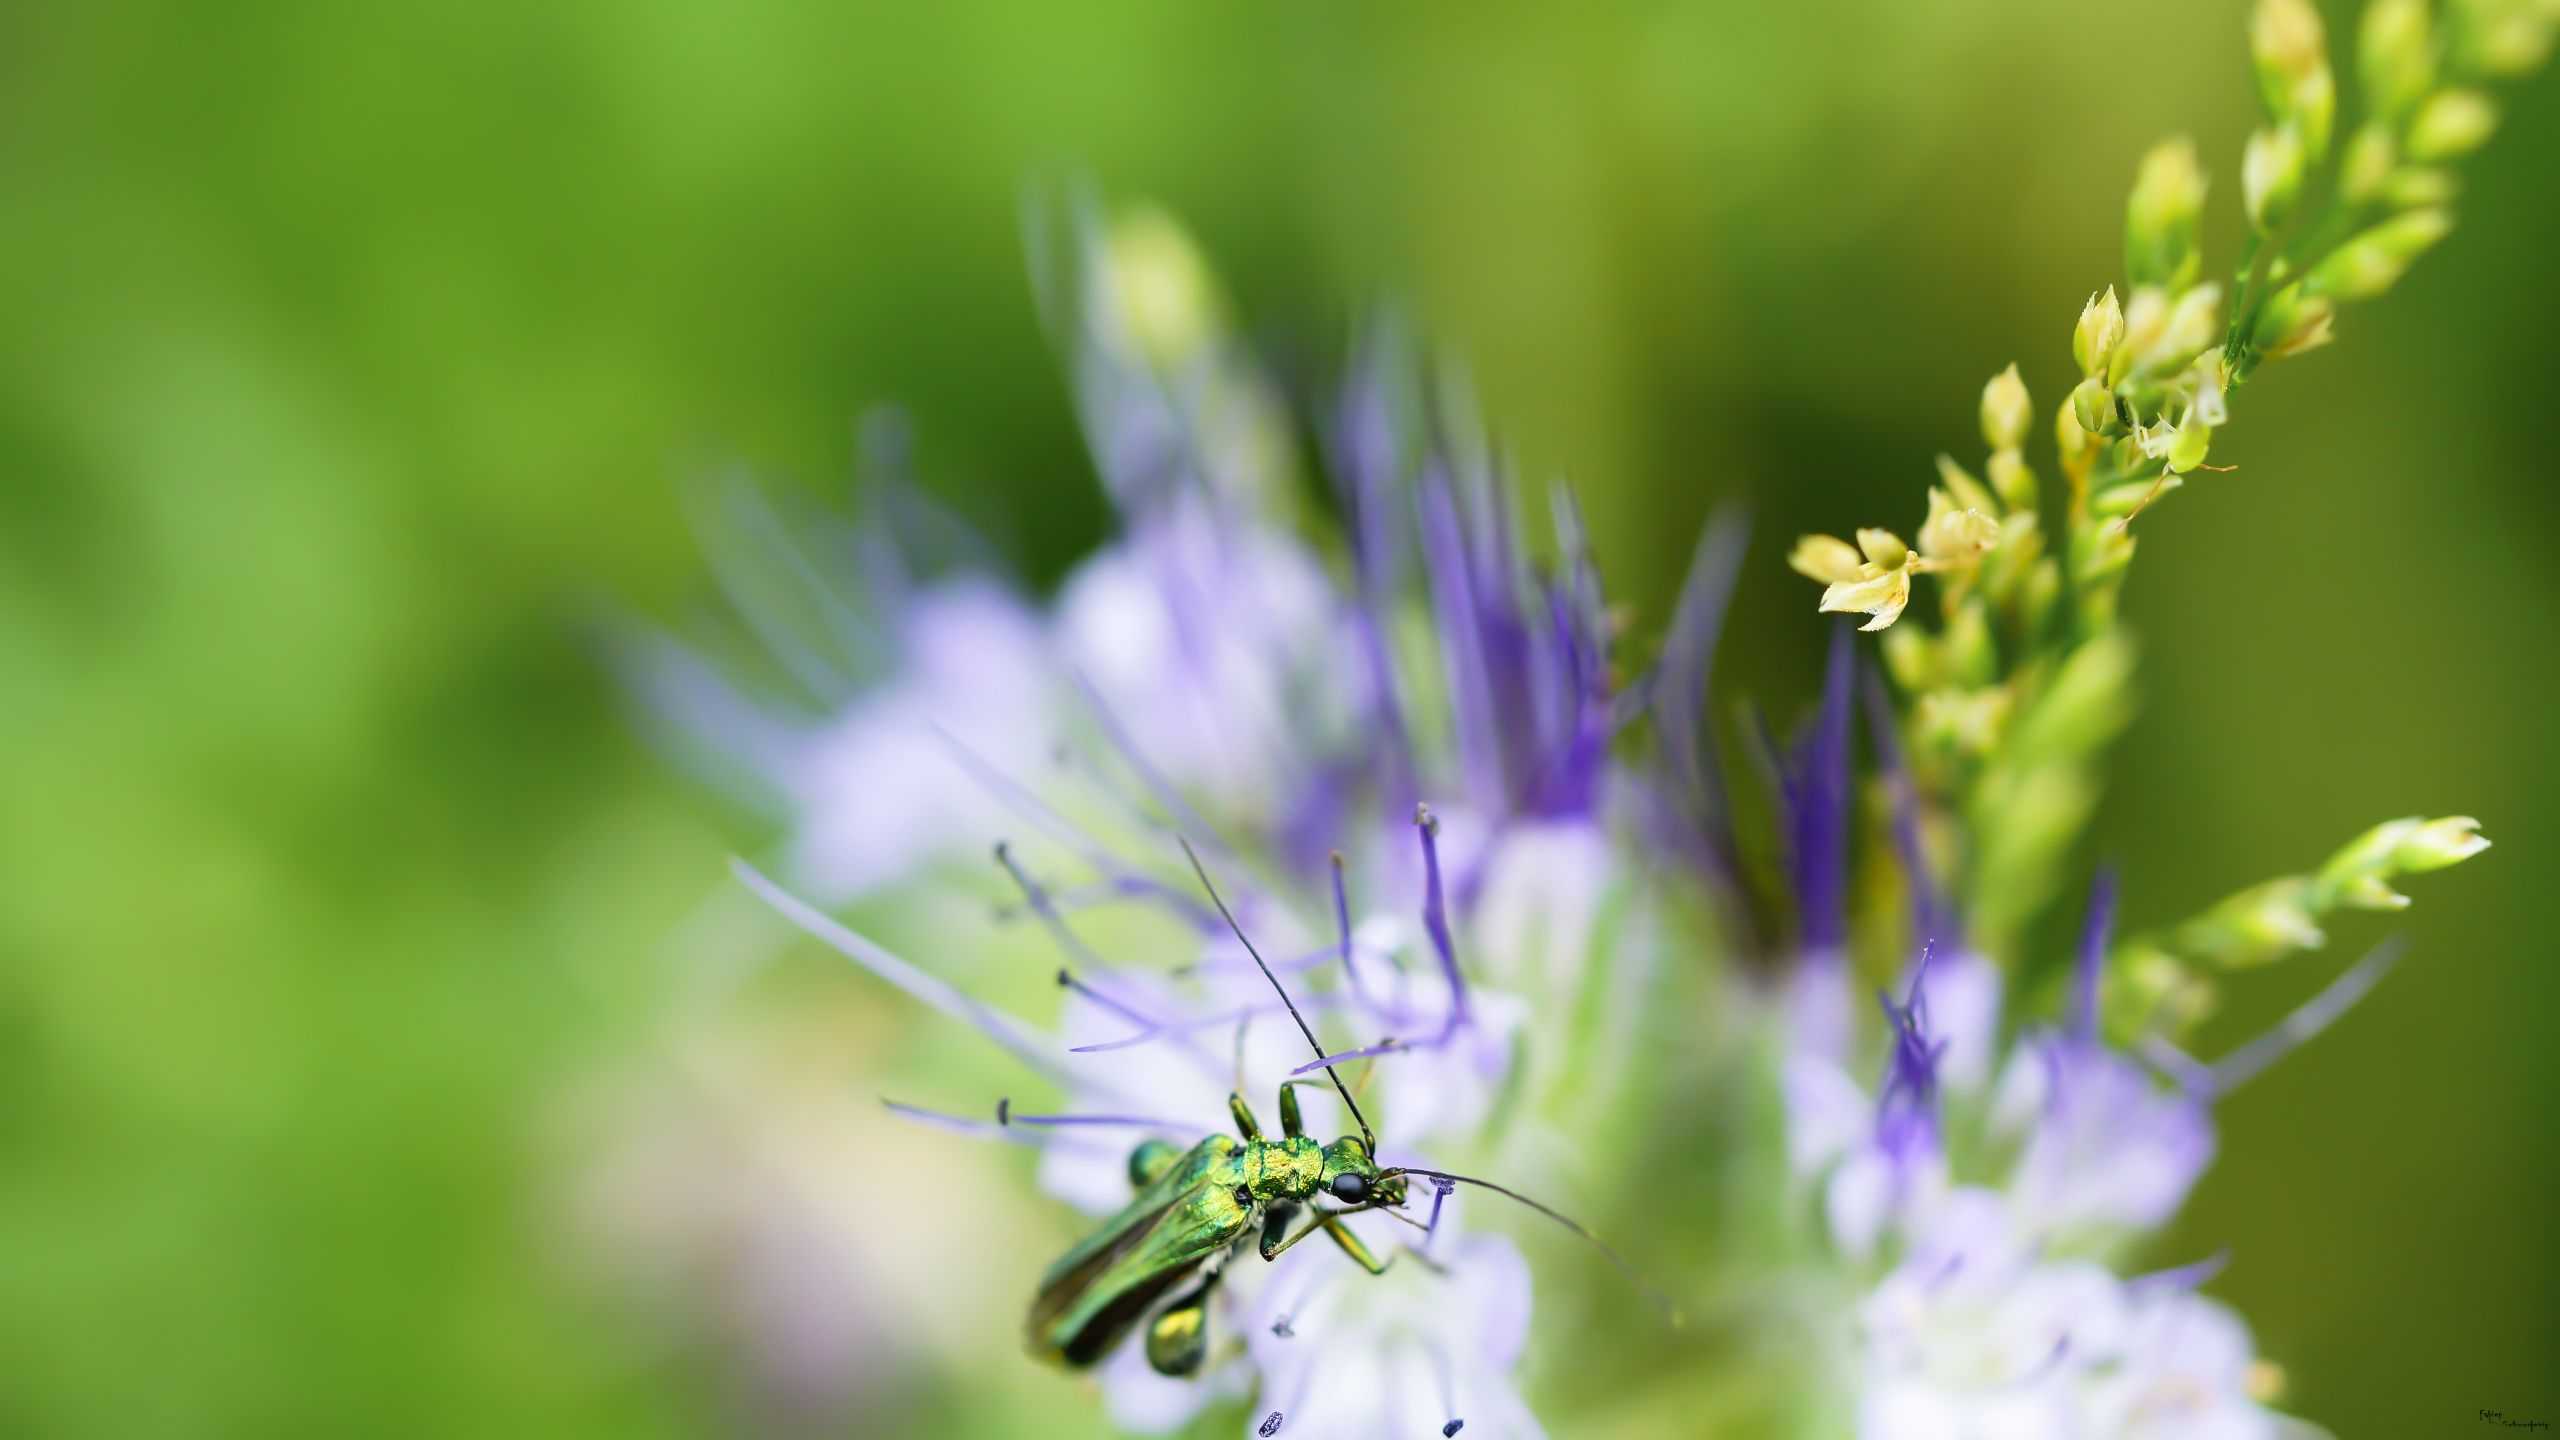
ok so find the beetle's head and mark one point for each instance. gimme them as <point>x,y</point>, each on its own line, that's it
<point>1351,1176</point>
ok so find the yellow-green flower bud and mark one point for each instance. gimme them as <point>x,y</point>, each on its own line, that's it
<point>1166,296</point>
<point>1952,534</point>
<point>2194,323</point>
<point>2293,322</point>
<point>2161,215</point>
<point>2133,495</point>
<point>2373,261</point>
<point>2071,439</point>
<point>2368,892</point>
<point>1970,657</point>
<point>2105,550</point>
<point>2006,410</point>
<point>2085,703</point>
<point>2095,408</point>
<point>2415,187</point>
<point>2438,843</point>
<point>1969,492</point>
<point>2208,382</point>
<point>2101,329</point>
<point>2021,545</point>
<point>2271,177</point>
<point>2012,480</point>
<point>1911,658</point>
<point>2359,875</point>
<point>2317,113</point>
<point>2396,50</point>
<point>2369,853</point>
<point>2285,39</point>
<point>2509,40</point>
<point>2372,154</point>
<point>2259,925</point>
<point>1965,722</point>
<point>2043,588</point>
<point>2187,448</point>
<point>2150,993</point>
<point>2292,60</point>
<point>2146,320</point>
<point>2451,123</point>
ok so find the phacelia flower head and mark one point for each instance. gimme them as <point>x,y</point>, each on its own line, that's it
<point>1397,754</point>
<point>1986,1188</point>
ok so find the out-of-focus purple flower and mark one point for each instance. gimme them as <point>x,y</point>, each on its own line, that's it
<point>1210,655</point>
<point>2089,1146</point>
<point>1223,683</point>
<point>1982,1191</point>
<point>1972,1335</point>
<point>1812,783</point>
<point>2107,1149</point>
<point>1879,1160</point>
<point>2186,1374</point>
<point>1207,670</point>
<point>874,787</point>
<point>1978,1334</point>
<point>880,661</point>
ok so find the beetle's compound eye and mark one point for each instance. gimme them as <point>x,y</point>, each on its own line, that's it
<point>1350,1187</point>
<point>1244,1198</point>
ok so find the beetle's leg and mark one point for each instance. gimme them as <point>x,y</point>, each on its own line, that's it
<point>1245,1123</point>
<point>1290,1122</point>
<point>1272,1252</point>
<point>1352,1246</point>
<point>1276,1219</point>
<point>1178,1338</point>
<point>1149,1162</point>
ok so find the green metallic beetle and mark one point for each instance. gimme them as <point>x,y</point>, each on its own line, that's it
<point>1192,1210</point>
<point>1195,1207</point>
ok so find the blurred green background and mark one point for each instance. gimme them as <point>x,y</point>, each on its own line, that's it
<point>350,358</point>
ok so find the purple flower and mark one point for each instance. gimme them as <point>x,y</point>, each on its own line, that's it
<point>2107,1149</point>
<point>1974,1335</point>
<point>1209,652</point>
<point>1980,1333</point>
<point>1879,1160</point>
<point>872,679</point>
<point>1980,1190</point>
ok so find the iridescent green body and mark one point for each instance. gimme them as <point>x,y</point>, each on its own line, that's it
<point>1191,1209</point>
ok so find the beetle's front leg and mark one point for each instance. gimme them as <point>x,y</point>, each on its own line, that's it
<point>1277,1216</point>
<point>1352,1246</point>
<point>1330,1222</point>
<point>1246,1125</point>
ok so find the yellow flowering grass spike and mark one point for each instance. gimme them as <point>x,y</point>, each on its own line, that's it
<point>1876,583</point>
<point>1873,577</point>
<point>1826,558</point>
<point>1952,536</point>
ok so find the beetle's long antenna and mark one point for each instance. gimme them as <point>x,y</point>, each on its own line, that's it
<point>1367,1136</point>
<point>1661,1301</point>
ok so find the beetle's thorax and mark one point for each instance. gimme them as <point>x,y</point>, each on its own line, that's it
<point>1287,1169</point>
